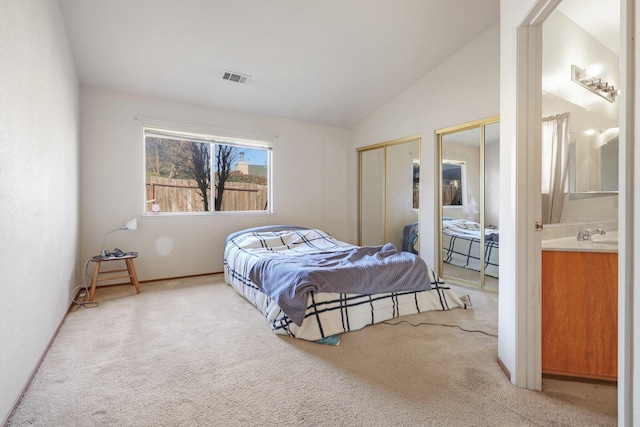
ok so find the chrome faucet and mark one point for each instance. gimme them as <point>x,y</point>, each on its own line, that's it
<point>586,234</point>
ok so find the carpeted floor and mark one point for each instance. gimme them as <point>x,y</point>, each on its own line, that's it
<point>192,352</point>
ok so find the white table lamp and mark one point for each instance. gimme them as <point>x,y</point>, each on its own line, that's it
<point>130,225</point>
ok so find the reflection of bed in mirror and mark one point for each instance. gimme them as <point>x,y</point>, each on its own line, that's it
<point>461,245</point>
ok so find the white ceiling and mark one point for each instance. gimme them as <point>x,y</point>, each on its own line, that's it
<point>332,62</point>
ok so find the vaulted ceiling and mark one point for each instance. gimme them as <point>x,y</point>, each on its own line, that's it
<point>332,62</point>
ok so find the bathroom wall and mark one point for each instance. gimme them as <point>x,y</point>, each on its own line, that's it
<point>581,207</point>
<point>566,44</point>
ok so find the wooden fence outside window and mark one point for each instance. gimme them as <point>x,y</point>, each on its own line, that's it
<point>182,195</point>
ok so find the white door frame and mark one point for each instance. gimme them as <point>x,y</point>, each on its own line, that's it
<point>629,178</point>
<point>528,363</point>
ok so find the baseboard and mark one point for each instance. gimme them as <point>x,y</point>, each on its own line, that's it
<point>159,280</point>
<point>181,277</point>
<point>35,369</point>
<point>504,368</point>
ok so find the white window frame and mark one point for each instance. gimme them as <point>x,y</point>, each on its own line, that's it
<point>214,136</point>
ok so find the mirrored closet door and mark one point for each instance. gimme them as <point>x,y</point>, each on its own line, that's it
<point>469,203</point>
<point>389,188</point>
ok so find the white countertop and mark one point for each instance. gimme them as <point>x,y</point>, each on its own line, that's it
<point>599,243</point>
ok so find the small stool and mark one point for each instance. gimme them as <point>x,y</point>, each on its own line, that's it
<point>128,259</point>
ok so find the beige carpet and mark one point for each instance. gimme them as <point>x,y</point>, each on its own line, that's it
<point>194,353</point>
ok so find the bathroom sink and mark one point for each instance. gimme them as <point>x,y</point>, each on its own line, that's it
<point>609,239</point>
<point>605,242</point>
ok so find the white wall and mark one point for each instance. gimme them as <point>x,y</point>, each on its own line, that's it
<point>38,186</point>
<point>310,180</point>
<point>463,88</point>
<point>586,207</point>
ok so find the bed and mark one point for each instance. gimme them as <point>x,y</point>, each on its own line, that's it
<point>338,290</point>
<point>461,245</point>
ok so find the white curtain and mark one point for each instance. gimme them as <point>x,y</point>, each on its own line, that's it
<point>555,162</point>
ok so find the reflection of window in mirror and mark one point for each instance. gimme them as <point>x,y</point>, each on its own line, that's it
<point>454,183</point>
<point>416,184</point>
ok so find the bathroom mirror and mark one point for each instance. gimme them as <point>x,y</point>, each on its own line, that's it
<point>389,194</point>
<point>469,190</point>
<point>593,119</point>
<point>593,160</point>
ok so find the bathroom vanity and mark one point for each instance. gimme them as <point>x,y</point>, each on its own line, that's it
<point>580,307</point>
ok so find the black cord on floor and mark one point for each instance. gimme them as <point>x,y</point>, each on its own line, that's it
<point>84,303</point>
<point>92,304</point>
<point>440,324</point>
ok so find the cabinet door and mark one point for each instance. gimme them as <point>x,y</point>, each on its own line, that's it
<point>580,314</point>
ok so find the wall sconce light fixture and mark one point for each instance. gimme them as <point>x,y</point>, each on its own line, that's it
<point>594,84</point>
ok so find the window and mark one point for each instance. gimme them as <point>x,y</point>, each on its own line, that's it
<point>190,172</point>
<point>454,183</point>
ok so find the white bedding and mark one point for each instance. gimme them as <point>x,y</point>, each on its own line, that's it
<point>327,313</point>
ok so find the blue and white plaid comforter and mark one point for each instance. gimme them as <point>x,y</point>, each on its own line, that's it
<point>362,270</point>
<point>324,313</point>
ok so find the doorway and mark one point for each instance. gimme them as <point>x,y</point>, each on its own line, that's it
<point>521,115</point>
<point>579,171</point>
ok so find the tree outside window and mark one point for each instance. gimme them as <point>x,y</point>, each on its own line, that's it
<point>181,168</point>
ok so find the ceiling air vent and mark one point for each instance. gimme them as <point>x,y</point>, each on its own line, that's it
<point>232,76</point>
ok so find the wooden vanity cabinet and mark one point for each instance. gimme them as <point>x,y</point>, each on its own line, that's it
<point>580,314</point>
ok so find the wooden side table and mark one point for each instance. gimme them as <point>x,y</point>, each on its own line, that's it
<point>131,272</point>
